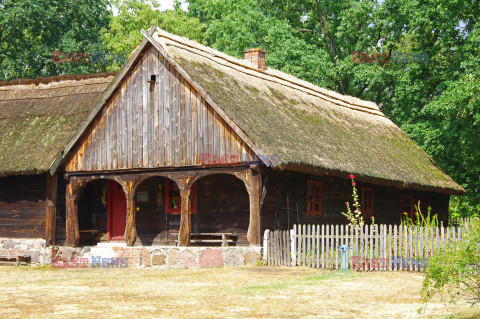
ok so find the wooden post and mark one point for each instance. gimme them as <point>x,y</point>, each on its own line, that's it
<point>254,228</point>
<point>131,226</point>
<point>73,234</point>
<point>51,212</point>
<point>184,234</point>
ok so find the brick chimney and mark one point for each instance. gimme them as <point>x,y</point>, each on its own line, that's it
<point>257,57</point>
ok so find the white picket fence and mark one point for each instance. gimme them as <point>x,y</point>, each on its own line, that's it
<point>378,247</point>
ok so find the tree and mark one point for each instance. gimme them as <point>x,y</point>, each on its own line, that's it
<point>123,33</point>
<point>448,125</point>
<point>31,29</point>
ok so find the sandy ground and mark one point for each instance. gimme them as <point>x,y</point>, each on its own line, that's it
<point>254,292</point>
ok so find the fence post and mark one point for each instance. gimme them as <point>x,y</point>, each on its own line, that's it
<point>265,244</point>
<point>293,247</point>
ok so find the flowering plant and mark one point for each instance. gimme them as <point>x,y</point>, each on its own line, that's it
<point>354,217</point>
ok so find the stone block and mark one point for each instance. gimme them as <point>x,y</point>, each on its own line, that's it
<point>159,260</point>
<point>9,244</point>
<point>251,257</point>
<point>173,256</point>
<point>69,252</point>
<point>188,259</point>
<point>233,258</point>
<point>211,257</point>
<point>146,257</point>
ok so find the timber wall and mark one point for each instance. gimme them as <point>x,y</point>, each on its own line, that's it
<point>285,202</point>
<point>161,123</point>
<point>22,206</point>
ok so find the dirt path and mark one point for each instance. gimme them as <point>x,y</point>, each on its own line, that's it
<point>255,292</point>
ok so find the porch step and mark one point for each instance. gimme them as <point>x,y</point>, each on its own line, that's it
<point>111,244</point>
<point>104,252</point>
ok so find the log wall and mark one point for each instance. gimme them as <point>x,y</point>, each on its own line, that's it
<point>23,206</point>
<point>285,201</point>
<point>160,123</point>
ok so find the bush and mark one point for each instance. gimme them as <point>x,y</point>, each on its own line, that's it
<point>455,269</point>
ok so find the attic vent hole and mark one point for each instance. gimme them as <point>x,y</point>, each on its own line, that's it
<point>153,78</point>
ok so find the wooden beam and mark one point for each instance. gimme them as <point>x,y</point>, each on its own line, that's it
<point>185,231</point>
<point>131,227</point>
<point>73,234</point>
<point>253,184</point>
<point>51,212</point>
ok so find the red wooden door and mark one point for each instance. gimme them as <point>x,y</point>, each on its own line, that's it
<point>117,211</point>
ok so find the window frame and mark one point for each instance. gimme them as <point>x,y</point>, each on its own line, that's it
<point>308,202</point>
<point>369,211</point>
<point>169,184</point>
<point>414,201</point>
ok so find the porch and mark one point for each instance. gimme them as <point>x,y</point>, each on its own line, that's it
<point>195,207</point>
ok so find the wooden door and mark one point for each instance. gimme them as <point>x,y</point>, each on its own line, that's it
<point>117,211</point>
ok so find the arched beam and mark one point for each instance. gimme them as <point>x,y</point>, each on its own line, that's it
<point>185,181</point>
<point>75,186</point>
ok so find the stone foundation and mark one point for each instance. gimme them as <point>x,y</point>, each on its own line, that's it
<point>154,257</point>
<point>120,256</point>
<point>32,247</point>
<point>189,257</point>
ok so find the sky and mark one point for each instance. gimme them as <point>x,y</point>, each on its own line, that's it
<point>168,4</point>
<point>164,5</point>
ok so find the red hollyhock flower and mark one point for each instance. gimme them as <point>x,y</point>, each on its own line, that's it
<point>346,203</point>
<point>354,183</point>
<point>371,217</point>
<point>351,176</point>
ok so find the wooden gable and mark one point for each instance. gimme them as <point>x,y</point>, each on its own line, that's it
<point>155,118</point>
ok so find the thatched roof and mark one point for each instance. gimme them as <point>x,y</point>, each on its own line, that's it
<point>38,117</point>
<point>305,125</point>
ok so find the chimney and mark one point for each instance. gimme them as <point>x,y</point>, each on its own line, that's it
<point>257,57</point>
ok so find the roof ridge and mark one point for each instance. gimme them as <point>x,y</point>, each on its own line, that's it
<point>56,78</point>
<point>271,72</point>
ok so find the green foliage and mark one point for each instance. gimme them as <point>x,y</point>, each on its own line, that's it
<point>461,207</point>
<point>123,33</point>
<point>31,29</point>
<point>455,269</point>
<point>420,220</point>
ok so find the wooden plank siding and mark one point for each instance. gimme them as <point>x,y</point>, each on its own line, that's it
<point>149,124</point>
<point>23,204</point>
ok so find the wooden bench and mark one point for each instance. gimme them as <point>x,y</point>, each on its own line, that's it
<point>15,260</point>
<point>224,239</point>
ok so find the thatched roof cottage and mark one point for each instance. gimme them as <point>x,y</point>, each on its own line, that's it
<point>185,143</point>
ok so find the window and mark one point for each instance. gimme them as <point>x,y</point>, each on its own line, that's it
<point>173,200</point>
<point>314,198</point>
<point>407,205</point>
<point>367,201</point>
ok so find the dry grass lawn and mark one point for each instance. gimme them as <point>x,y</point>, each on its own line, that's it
<point>254,292</point>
